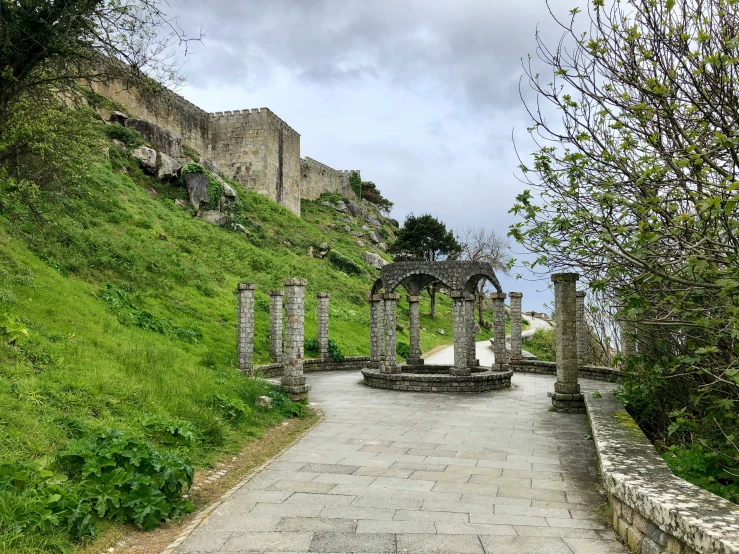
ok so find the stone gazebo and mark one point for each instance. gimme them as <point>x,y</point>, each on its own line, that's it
<point>466,375</point>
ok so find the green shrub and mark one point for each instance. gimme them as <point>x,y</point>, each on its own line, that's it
<point>126,479</point>
<point>345,264</point>
<point>130,137</point>
<point>284,405</point>
<point>541,345</point>
<point>334,352</point>
<point>172,432</point>
<point>355,183</point>
<point>403,349</point>
<point>233,409</point>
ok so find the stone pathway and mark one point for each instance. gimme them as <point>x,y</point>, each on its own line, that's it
<point>407,472</point>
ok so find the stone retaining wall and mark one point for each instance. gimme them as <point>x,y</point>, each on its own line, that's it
<point>350,363</point>
<point>480,381</point>
<point>654,511</point>
<point>597,373</point>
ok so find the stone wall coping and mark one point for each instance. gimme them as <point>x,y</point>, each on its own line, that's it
<point>277,293</point>
<point>498,296</point>
<point>561,277</point>
<point>580,294</point>
<point>515,295</point>
<point>295,282</point>
<point>374,297</point>
<point>323,295</point>
<point>635,474</point>
<point>247,286</point>
<point>412,298</point>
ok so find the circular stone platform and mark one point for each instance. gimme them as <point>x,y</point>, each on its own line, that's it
<point>437,378</point>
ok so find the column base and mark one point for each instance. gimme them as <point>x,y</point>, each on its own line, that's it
<point>567,388</point>
<point>564,403</point>
<point>296,393</point>
<point>414,361</point>
<point>460,371</point>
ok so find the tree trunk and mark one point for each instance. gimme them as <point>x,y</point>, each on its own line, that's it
<point>480,305</point>
<point>432,294</point>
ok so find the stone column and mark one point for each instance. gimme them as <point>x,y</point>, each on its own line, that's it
<point>471,345</point>
<point>275,325</point>
<point>414,317</point>
<point>499,349</point>
<point>516,340</point>
<point>389,362</point>
<point>628,343</point>
<point>293,380</point>
<point>582,328</point>
<point>245,327</point>
<point>461,329</point>
<point>377,316</point>
<point>566,397</point>
<point>322,321</point>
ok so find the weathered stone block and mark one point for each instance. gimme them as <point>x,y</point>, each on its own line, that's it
<point>197,188</point>
<point>146,157</point>
<point>165,140</point>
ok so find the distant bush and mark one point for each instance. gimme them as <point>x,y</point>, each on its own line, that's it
<point>345,264</point>
<point>130,137</point>
<point>334,352</point>
<point>403,349</point>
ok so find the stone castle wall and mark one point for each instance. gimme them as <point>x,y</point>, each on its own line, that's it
<point>317,178</point>
<point>253,147</point>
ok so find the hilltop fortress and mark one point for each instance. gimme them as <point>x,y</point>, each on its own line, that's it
<point>253,147</point>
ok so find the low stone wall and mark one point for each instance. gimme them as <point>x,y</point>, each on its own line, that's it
<point>654,511</point>
<point>350,363</point>
<point>478,381</point>
<point>597,373</point>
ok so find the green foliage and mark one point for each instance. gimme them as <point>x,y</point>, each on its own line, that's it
<point>344,263</point>
<point>334,352</point>
<point>231,408</point>
<point>425,237</point>
<point>355,183</point>
<point>282,403</point>
<point>126,479</point>
<point>715,471</point>
<point>403,349</point>
<point>130,137</point>
<point>541,345</point>
<point>169,431</point>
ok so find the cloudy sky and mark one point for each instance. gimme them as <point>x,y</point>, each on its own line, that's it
<point>422,96</point>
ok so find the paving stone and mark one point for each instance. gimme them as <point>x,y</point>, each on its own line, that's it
<point>384,472</point>
<point>575,523</point>
<point>441,476</point>
<point>411,515</point>
<point>341,479</point>
<point>500,481</point>
<point>353,542</point>
<point>357,512</point>
<point>441,486</point>
<point>460,528</point>
<point>409,526</point>
<point>330,468</point>
<point>418,466</point>
<point>285,510</point>
<point>301,486</point>
<point>502,519</point>
<point>407,484</point>
<point>387,502</point>
<point>317,524</point>
<point>564,532</point>
<point>313,499</point>
<point>439,544</point>
<point>591,546</point>
<point>205,544</point>
<point>518,545</point>
<point>533,494</point>
<point>531,511</point>
<point>274,542</point>
<point>483,455</point>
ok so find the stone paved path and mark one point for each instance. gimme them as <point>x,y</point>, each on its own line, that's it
<point>391,471</point>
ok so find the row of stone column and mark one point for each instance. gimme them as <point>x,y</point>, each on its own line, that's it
<point>288,349</point>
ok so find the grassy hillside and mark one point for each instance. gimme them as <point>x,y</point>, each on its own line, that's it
<point>117,310</point>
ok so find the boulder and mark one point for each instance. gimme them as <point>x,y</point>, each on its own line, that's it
<point>441,331</point>
<point>197,188</point>
<point>372,220</point>
<point>215,217</point>
<point>374,237</point>
<point>228,190</point>
<point>119,118</point>
<point>341,207</point>
<point>360,243</point>
<point>382,246</point>
<point>210,166</point>
<point>358,234</point>
<point>375,260</point>
<point>324,203</point>
<point>263,402</point>
<point>168,168</point>
<point>181,203</point>
<point>354,209</point>
<point>147,157</point>
<point>393,222</point>
<point>119,143</point>
<point>165,140</point>
<point>347,228</point>
<point>240,227</point>
<point>365,228</point>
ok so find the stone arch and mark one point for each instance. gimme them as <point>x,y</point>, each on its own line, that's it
<point>474,280</point>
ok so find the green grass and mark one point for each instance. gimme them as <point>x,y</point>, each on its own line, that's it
<point>541,345</point>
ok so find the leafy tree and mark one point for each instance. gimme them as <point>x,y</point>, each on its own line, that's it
<point>425,238</point>
<point>55,44</point>
<point>637,185</point>
<point>371,193</point>
<point>483,245</point>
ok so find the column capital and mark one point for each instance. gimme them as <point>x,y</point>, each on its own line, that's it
<point>323,295</point>
<point>456,294</point>
<point>247,286</point>
<point>498,296</point>
<point>374,297</point>
<point>412,298</point>
<point>469,297</point>
<point>515,295</point>
<point>277,293</point>
<point>564,277</point>
<point>580,294</point>
<point>391,296</point>
<point>295,282</point>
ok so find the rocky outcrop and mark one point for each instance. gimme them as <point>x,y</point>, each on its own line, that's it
<point>374,237</point>
<point>215,217</point>
<point>354,209</point>
<point>164,140</point>
<point>168,168</point>
<point>211,166</point>
<point>147,157</point>
<point>375,260</point>
<point>197,188</point>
